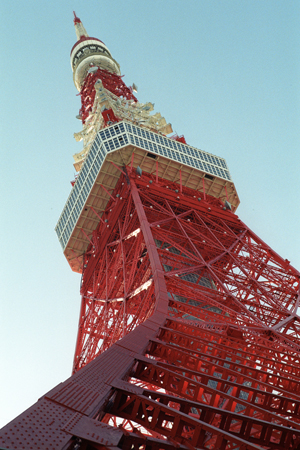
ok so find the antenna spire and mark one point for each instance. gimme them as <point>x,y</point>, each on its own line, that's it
<point>76,19</point>
<point>79,28</point>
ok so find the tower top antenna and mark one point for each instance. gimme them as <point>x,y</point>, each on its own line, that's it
<point>76,19</point>
<point>89,51</point>
<point>79,28</point>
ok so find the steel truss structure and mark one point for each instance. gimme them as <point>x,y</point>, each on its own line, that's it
<point>188,334</point>
<point>110,81</point>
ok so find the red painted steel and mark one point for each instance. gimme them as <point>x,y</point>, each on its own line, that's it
<point>111,81</point>
<point>178,138</point>
<point>188,333</point>
<point>109,117</point>
<point>76,19</point>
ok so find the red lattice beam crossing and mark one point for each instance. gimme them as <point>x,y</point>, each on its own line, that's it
<point>188,336</point>
<point>111,81</point>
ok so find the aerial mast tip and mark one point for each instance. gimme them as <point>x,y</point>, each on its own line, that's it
<point>79,28</point>
<point>76,19</point>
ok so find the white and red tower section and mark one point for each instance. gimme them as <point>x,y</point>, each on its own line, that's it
<point>189,333</point>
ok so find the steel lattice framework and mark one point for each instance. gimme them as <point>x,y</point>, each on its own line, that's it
<point>188,337</point>
<point>189,333</point>
<point>111,81</point>
<point>215,270</point>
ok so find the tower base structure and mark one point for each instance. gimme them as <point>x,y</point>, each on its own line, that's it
<point>188,333</point>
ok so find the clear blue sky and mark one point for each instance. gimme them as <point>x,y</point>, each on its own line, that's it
<point>224,73</point>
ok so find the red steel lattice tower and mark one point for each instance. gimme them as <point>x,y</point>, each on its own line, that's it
<point>188,331</point>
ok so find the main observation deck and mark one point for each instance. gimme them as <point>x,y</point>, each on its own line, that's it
<point>122,144</point>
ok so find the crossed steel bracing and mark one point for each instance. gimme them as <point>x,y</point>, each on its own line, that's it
<point>188,334</point>
<point>111,81</point>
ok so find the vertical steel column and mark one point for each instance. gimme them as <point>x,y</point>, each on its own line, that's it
<point>161,292</point>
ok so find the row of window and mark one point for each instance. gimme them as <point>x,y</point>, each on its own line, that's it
<point>118,129</point>
<point>114,137</point>
<point>91,48</point>
<point>172,144</point>
<point>176,156</point>
<point>80,193</point>
<point>112,131</point>
<point>115,143</point>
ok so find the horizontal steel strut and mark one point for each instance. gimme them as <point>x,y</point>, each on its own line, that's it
<point>188,334</point>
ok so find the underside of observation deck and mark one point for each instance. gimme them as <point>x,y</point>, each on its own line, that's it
<point>169,163</point>
<point>188,334</point>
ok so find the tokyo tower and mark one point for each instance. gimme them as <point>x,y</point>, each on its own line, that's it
<point>189,333</point>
